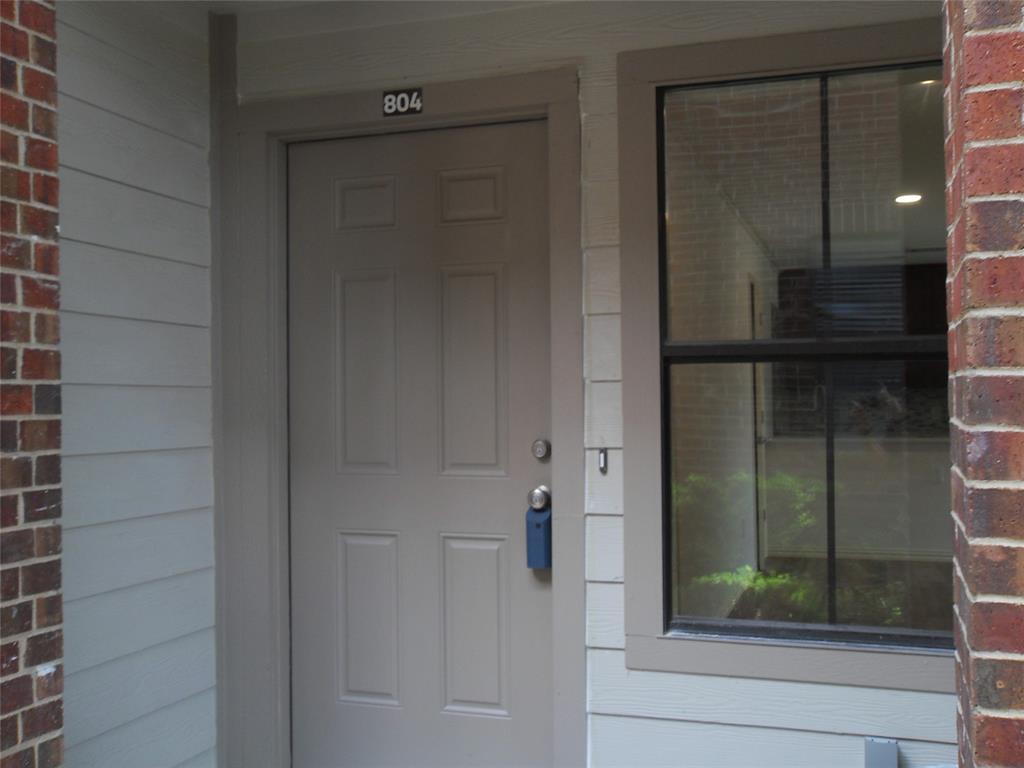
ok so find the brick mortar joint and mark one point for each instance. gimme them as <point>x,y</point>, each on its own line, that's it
<point>984,598</point>
<point>997,311</point>
<point>1009,485</point>
<point>985,428</point>
<point>998,714</point>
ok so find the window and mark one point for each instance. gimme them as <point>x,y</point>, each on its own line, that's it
<point>805,442</point>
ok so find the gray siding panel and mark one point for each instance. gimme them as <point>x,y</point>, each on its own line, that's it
<point>159,39</point>
<point>165,291</point>
<point>114,624</point>
<point>207,759</point>
<point>98,72</point>
<point>104,212</point>
<point>161,739</point>
<point>117,555</point>
<point>149,483</point>
<point>104,419</point>
<point>136,685</point>
<point>104,144</point>
<point>628,742</point>
<point>138,477</point>
<point>113,350</point>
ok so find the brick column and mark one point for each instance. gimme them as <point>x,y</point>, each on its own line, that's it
<point>31,673</point>
<point>984,70</point>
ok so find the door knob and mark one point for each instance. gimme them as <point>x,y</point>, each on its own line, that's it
<point>540,497</point>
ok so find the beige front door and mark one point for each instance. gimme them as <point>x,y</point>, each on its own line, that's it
<point>419,378</point>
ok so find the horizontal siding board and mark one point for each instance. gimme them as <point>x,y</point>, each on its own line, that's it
<point>103,419</point>
<point>601,281</point>
<point>103,627</point>
<point>107,213</point>
<point>604,549</point>
<point>604,490</point>
<point>102,281</point>
<point>100,73</point>
<point>148,483</point>
<point>207,759</point>
<point>111,350</point>
<point>101,558</point>
<point>317,19</point>
<point>605,612</point>
<point>161,739</point>
<point>137,684</point>
<point>603,423</point>
<point>768,703</point>
<point>104,144</point>
<point>629,742</point>
<point>137,30</point>
<point>600,138</point>
<point>136,300</point>
<point>602,353</point>
<point>191,19</point>
<point>600,213</point>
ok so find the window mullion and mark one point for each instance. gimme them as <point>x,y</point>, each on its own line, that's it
<point>830,489</point>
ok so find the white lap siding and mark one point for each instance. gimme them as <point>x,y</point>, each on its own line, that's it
<point>138,542</point>
<point>636,718</point>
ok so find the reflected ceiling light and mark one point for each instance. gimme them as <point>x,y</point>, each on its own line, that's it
<point>929,82</point>
<point>908,199</point>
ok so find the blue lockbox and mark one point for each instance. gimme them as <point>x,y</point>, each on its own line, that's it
<point>538,538</point>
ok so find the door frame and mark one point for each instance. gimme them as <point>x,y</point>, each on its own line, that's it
<point>250,364</point>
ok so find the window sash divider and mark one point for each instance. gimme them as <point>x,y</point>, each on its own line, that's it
<point>924,347</point>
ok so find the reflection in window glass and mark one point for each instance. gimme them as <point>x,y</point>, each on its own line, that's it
<point>748,512</point>
<point>749,508</point>
<point>778,228</point>
<point>807,487</point>
<point>893,543</point>
<point>742,204</point>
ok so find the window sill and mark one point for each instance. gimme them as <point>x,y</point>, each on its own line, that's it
<point>832,663</point>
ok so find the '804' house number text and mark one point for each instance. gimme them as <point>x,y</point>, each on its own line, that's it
<point>406,102</point>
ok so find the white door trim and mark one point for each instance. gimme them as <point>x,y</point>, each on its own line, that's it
<point>251,379</point>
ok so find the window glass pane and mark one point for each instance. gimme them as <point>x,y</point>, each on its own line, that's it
<point>893,529</point>
<point>744,191</point>
<point>887,217</point>
<point>808,490</point>
<point>748,508</point>
<point>742,207</point>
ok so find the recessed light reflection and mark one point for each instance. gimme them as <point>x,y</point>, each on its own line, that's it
<point>908,199</point>
<point>929,82</point>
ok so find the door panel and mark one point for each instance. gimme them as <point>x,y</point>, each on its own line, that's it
<point>419,377</point>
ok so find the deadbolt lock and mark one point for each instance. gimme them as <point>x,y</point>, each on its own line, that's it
<point>541,449</point>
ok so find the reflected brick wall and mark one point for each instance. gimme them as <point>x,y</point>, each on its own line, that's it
<point>984,81</point>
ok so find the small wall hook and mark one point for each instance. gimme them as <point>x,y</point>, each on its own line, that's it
<point>602,461</point>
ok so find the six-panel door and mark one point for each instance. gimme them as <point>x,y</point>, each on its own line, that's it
<point>419,378</point>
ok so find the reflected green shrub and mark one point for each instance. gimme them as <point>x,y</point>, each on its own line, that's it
<point>715,522</point>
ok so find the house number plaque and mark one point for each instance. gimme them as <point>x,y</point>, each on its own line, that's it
<point>407,102</point>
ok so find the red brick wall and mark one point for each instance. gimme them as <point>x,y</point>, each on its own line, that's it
<point>984,63</point>
<point>31,713</point>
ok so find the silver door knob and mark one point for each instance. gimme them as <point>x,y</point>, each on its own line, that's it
<point>540,497</point>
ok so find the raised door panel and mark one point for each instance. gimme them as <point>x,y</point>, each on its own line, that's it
<point>474,371</point>
<point>366,367</point>
<point>475,624</point>
<point>368,617</point>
